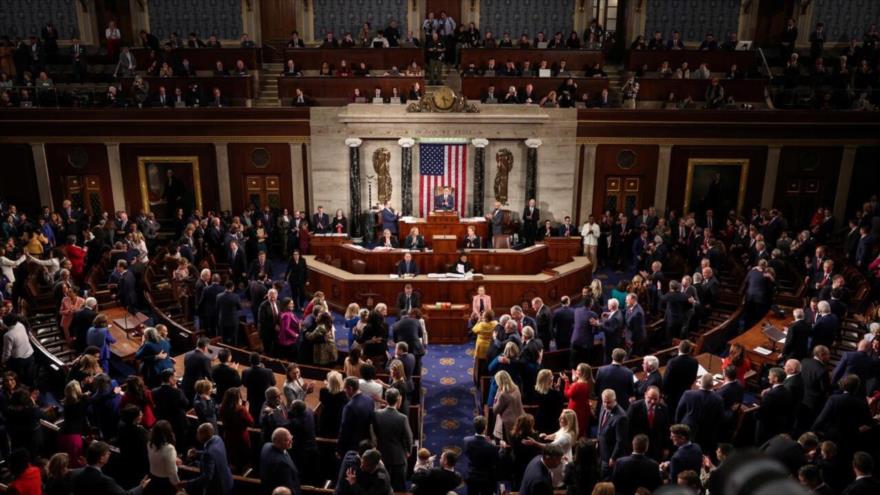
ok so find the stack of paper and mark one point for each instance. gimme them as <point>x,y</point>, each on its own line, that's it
<point>762,351</point>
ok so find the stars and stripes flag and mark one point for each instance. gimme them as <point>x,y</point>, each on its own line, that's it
<point>440,165</point>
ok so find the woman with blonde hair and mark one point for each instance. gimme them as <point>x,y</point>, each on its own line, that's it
<point>484,330</point>
<point>333,400</point>
<point>70,438</point>
<point>598,295</point>
<point>507,405</point>
<point>550,401</point>
<point>351,318</point>
<point>398,380</point>
<point>506,361</point>
<point>564,438</point>
<point>58,480</point>
<point>603,488</point>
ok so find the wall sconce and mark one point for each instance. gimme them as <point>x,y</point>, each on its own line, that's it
<point>581,5</point>
<point>473,5</point>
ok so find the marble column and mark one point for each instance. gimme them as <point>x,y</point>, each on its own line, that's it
<point>116,187</point>
<point>406,198</point>
<point>296,173</point>
<point>844,181</point>
<point>354,169</point>
<point>588,184</point>
<point>770,175</point>
<point>479,174</point>
<point>223,183</point>
<point>41,167</point>
<point>663,160</point>
<point>532,168</point>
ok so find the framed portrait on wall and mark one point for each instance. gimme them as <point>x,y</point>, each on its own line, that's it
<point>718,184</point>
<point>169,183</point>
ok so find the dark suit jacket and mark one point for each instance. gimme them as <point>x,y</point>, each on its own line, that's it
<point>825,330</point>
<point>658,434</point>
<point>817,384</point>
<point>774,414</point>
<point>857,363</point>
<point>784,449</point>
<point>797,341</point>
<point>224,378</point>
<point>687,457</point>
<point>436,481</point>
<point>572,231</point>
<point>321,223</point>
<point>409,330</point>
<point>654,378</point>
<point>255,269</point>
<point>237,263</point>
<point>841,418</point>
<point>618,378</point>
<point>196,365</point>
<point>414,242</point>
<point>79,326</point>
<point>228,306</point>
<point>757,288</point>
<point>268,319</point>
<point>681,371</point>
<point>482,457</point>
<point>543,320</point>
<point>277,469</point>
<point>536,479</point>
<point>357,415</point>
<point>633,471</point>
<point>90,481</point>
<point>613,329</point>
<point>563,325</point>
<point>614,435</point>
<point>171,405</point>
<point>402,269</point>
<point>703,411</point>
<point>257,379</point>
<point>677,306</point>
<point>415,301</point>
<point>126,292</point>
<point>475,243</point>
<point>731,393</point>
<point>445,204</point>
<point>394,438</point>
<point>215,477</point>
<point>635,323</point>
<point>864,486</point>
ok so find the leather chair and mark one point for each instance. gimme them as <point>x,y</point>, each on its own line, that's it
<point>336,262</point>
<point>358,267</point>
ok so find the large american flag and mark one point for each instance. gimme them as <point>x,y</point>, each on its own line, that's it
<point>442,165</point>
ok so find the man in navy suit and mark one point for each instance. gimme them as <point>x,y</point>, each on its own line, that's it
<point>582,335</point>
<point>445,201</point>
<point>687,457</point>
<point>863,469</point>
<point>817,387</point>
<point>636,470</point>
<point>91,479</point>
<point>827,326</point>
<point>677,306</point>
<point>126,288</point>
<point>228,306</point>
<point>237,262</point>
<point>845,416</point>
<point>650,417</point>
<point>652,376</point>
<point>207,306</point>
<point>617,377</point>
<point>357,416</point>
<point>797,345</point>
<point>759,297</point>
<point>543,323</point>
<point>483,458</point>
<point>536,478</point>
<point>774,415</point>
<point>497,219</point>
<point>563,323</point>
<point>276,466</point>
<point>389,218</point>
<point>635,324</point>
<point>215,477</point>
<point>613,433</point>
<point>858,363</point>
<point>407,266</point>
<point>681,371</point>
<point>863,248</point>
<point>260,265</point>
<point>702,410</point>
<point>321,221</point>
<point>613,326</point>
<point>567,229</point>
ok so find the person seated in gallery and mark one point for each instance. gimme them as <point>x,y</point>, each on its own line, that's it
<point>462,266</point>
<point>472,240</point>
<point>407,266</point>
<point>445,201</point>
<point>414,240</point>
<point>546,231</point>
<point>387,241</point>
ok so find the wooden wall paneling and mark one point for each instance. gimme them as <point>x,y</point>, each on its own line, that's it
<point>23,191</point>
<point>866,176</point>
<point>807,180</point>
<point>64,159</point>
<point>644,167</point>
<point>128,157</point>
<point>757,156</point>
<point>242,165</point>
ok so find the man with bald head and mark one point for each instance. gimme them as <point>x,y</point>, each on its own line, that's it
<point>276,466</point>
<point>797,337</point>
<point>215,477</point>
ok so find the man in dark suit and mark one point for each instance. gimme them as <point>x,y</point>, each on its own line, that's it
<point>162,99</point>
<point>817,387</point>
<point>408,300</point>
<point>543,320</point>
<point>617,377</point>
<point>394,439</point>
<point>259,266</point>
<point>530,217</point>
<point>681,371</point>
<point>439,480</point>
<point>496,218</point>
<point>389,218</point>
<point>567,229</point>
<point>677,307</point>
<point>214,477</point>
<point>126,292</point>
<point>635,324</point>
<point>483,456</point>
<point>224,375</point>
<point>256,380</point>
<point>207,306</point>
<point>636,470</point>
<point>827,327</point>
<point>228,306</point>
<point>797,338</point>
<point>613,432</point>
<point>786,450</point>
<point>613,326</point>
<point>196,366</point>
<point>276,466</point>
<point>408,329</point>
<point>444,201</point>
<point>865,482</point>
<point>687,457</point>
<point>858,363</point>
<point>582,335</point>
<point>536,479</point>
<point>845,416</point>
<point>563,323</point>
<point>864,251</point>
<point>321,221</point>
<point>759,297</point>
<point>268,319</point>
<point>357,415</point>
<point>171,405</point>
<point>650,417</point>
<point>90,480</point>
<point>407,266</point>
<point>773,417</point>
<point>702,410</point>
<point>237,262</point>
<point>651,375</point>
<point>81,322</point>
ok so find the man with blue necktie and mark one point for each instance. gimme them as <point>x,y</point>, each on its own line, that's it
<point>445,201</point>
<point>407,266</point>
<point>389,218</point>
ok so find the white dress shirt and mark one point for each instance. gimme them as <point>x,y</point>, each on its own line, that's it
<point>163,462</point>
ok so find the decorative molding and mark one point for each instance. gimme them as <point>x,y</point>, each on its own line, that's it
<point>527,16</point>
<point>406,142</point>
<point>353,142</point>
<point>341,16</point>
<point>220,17</point>
<point>533,142</point>
<point>480,142</point>
<point>693,18</point>
<point>844,19</point>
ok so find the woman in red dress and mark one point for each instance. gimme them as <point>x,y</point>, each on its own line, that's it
<point>578,394</point>
<point>304,238</point>
<point>236,420</point>
<point>138,394</point>
<point>737,358</point>
<point>77,257</point>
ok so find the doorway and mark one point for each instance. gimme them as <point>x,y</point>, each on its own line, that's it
<point>277,20</point>
<point>452,8</point>
<point>622,194</point>
<point>263,190</point>
<point>772,17</point>
<point>114,10</point>
<point>84,192</point>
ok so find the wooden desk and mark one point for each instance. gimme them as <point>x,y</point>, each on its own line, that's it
<point>343,287</point>
<point>126,345</point>
<point>341,88</point>
<point>442,225</point>
<point>741,89</point>
<point>204,58</point>
<point>234,89</point>
<point>562,249</point>
<point>718,60</point>
<point>528,261</point>
<point>574,59</point>
<point>375,58</point>
<point>327,244</point>
<point>475,87</point>
<point>709,362</point>
<point>447,325</point>
<point>754,337</point>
